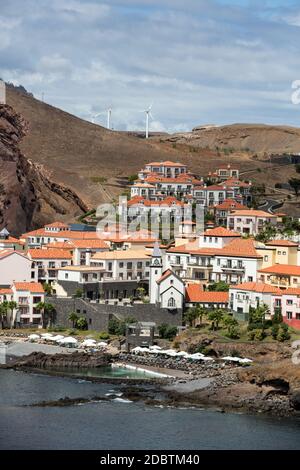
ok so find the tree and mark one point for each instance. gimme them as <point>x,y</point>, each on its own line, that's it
<point>82,323</point>
<point>167,331</point>
<point>47,310</point>
<point>47,288</point>
<point>193,313</point>
<point>141,292</point>
<point>277,317</point>
<point>78,293</point>
<point>220,286</point>
<point>216,316</point>
<point>283,334</point>
<point>5,308</point>
<point>232,327</point>
<point>73,317</point>
<point>295,185</point>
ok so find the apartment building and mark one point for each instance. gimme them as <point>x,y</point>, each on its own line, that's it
<point>27,296</point>
<point>250,222</point>
<point>47,261</point>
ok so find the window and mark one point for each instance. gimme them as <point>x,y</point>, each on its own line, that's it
<point>266,258</point>
<point>284,252</point>
<point>250,279</point>
<point>121,265</point>
<point>289,302</point>
<point>297,316</point>
<point>216,239</point>
<point>129,265</point>
<point>171,302</point>
<point>279,252</point>
<point>289,315</point>
<point>66,276</point>
<point>109,266</point>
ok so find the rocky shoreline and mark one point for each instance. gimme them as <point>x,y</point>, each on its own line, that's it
<point>272,387</point>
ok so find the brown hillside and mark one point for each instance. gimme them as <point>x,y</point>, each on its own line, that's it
<point>255,137</point>
<point>76,151</point>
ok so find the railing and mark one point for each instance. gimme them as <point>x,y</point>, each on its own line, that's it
<point>232,268</point>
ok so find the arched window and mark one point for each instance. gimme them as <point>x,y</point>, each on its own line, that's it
<point>171,302</point>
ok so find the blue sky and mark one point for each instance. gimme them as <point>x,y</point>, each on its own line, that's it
<point>198,61</point>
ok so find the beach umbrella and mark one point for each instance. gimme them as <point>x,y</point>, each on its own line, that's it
<point>183,354</point>
<point>155,347</point>
<point>33,337</point>
<point>89,342</point>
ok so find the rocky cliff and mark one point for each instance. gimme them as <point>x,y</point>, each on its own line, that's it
<point>28,196</point>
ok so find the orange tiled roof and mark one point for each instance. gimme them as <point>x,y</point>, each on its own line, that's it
<point>252,213</point>
<point>166,274</point>
<point>5,291</point>
<point>10,240</point>
<point>61,245</point>
<point>233,182</point>
<point>286,243</point>
<point>166,163</point>
<point>257,287</point>
<point>90,244</point>
<point>221,232</point>
<point>194,293</point>
<point>168,201</point>
<point>285,269</point>
<point>230,204</point>
<point>240,247</point>
<point>49,253</point>
<point>57,225</point>
<point>291,291</point>
<point>34,287</point>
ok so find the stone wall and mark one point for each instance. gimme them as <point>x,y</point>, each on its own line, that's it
<point>98,315</point>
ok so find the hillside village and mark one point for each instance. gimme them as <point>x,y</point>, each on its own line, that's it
<point>241,260</point>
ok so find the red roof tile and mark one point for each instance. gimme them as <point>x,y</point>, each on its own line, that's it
<point>257,287</point>
<point>221,232</point>
<point>34,287</point>
<point>195,293</point>
<point>284,269</point>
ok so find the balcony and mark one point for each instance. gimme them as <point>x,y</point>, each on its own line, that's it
<point>232,269</point>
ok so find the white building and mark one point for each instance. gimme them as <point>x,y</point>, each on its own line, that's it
<point>166,289</point>
<point>119,265</point>
<point>237,262</point>
<point>27,296</point>
<point>14,266</point>
<point>248,295</point>
<point>250,222</point>
<point>47,261</point>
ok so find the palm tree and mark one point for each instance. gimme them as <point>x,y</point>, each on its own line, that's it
<point>216,316</point>
<point>12,305</point>
<point>47,310</point>
<point>73,317</point>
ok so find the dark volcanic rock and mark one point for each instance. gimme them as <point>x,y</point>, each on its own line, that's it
<point>40,360</point>
<point>28,196</point>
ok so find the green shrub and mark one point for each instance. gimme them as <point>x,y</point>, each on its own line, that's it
<point>283,334</point>
<point>256,335</point>
<point>82,324</point>
<point>275,331</point>
<point>103,335</point>
<point>167,331</point>
<point>57,329</point>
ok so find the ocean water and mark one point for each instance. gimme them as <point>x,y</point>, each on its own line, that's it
<point>118,424</point>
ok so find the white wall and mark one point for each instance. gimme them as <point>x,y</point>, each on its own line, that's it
<point>14,267</point>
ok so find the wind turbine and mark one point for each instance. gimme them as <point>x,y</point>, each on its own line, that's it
<point>108,111</point>
<point>94,116</point>
<point>148,114</point>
